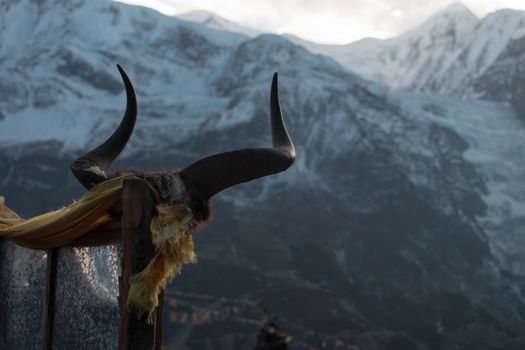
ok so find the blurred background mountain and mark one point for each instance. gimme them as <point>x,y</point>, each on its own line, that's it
<point>400,226</point>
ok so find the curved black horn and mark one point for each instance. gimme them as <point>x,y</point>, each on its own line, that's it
<point>213,174</point>
<point>90,168</point>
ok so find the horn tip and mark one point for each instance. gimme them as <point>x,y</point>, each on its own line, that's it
<point>274,84</point>
<point>124,75</point>
<point>122,71</point>
<point>127,82</point>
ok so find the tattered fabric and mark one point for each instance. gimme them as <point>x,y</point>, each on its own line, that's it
<point>170,229</point>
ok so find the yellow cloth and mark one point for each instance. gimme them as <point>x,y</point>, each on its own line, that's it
<point>63,226</point>
<point>170,229</point>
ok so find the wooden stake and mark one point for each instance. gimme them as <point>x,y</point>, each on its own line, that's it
<point>138,250</point>
<point>157,323</point>
<point>49,299</point>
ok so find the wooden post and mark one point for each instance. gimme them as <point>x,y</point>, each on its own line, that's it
<point>49,299</point>
<point>157,323</point>
<point>138,250</point>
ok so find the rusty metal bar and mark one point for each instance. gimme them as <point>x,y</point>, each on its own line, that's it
<point>49,299</point>
<point>138,250</point>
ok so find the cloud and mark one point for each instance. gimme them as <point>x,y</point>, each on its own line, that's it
<point>327,21</point>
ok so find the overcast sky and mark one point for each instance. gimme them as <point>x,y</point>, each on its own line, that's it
<point>327,21</point>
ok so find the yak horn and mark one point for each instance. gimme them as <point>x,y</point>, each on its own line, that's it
<point>215,173</point>
<point>90,168</point>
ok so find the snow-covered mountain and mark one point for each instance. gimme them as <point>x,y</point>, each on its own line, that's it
<point>380,233</point>
<point>70,59</point>
<point>449,53</point>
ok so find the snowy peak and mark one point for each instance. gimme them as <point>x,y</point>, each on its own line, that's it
<point>214,21</point>
<point>504,23</point>
<point>455,15</point>
<point>415,60</point>
<point>453,21</point>
<point>456,9</point>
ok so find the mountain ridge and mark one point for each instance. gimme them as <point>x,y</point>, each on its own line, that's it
<point>446,54</point>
